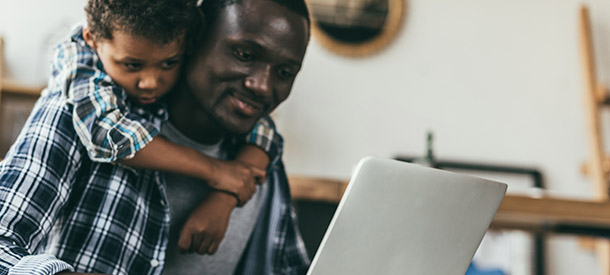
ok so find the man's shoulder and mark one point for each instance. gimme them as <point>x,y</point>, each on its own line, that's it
<point>51,113</point>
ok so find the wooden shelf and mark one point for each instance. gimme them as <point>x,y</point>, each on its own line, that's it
<point>545,214</point>
<point>12,87</point>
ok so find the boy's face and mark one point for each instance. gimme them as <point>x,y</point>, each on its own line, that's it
<point>145,69</point>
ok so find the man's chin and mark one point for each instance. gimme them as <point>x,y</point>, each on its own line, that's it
<point>237,126</point>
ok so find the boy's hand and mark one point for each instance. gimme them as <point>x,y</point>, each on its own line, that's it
<point>236,178</point>
<point>207,225</point>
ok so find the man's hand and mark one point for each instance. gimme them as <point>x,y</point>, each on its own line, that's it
<point>207,224</point>
<point>76,273</point>
<point>236,178</point>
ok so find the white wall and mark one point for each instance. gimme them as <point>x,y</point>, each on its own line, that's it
<point>497,81</point>
<point>30,29</point>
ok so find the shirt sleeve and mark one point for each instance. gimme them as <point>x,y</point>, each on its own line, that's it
<point>35,183</point>
<point>265,136</point>
<point>39,265</point>
<point>102,119</point>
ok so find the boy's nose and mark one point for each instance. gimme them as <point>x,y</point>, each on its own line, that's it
<point>148,82</point>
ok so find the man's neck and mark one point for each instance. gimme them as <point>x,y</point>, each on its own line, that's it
<point>188,117</point>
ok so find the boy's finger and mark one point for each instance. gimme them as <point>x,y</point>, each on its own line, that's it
<point>205,244</point>
<point>243,198</point>
<point>213,247</point>
<point>184,243</point>
<point>195,243</point>
<point>259,174</point>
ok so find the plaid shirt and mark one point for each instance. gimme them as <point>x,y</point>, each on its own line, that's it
<point>59,210</point>
<point>106,123</point>
<point>102,117</point>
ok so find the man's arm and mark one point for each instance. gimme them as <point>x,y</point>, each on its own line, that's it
<point>35,183</point>
<point>76,273</point>
<point>207,224</point>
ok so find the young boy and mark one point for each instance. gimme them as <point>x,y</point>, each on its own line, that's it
<point>114,73</point>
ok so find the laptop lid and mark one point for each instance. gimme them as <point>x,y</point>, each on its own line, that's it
<point>401,218</point>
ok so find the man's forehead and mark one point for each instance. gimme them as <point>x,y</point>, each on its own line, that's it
<point>266,23</point>
<point>256,11</point>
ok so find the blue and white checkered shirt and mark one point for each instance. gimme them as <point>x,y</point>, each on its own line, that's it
<point>59,210</point>
<point>102,116</point>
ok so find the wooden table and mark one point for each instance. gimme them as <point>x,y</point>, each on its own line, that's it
<point>543,214</point>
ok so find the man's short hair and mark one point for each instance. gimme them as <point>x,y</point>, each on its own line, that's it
<point>211,8</point>
<point>160,21</point>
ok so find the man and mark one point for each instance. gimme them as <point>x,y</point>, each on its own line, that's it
<point>59,211</point>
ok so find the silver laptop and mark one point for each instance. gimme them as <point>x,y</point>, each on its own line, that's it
<point>402,218</point>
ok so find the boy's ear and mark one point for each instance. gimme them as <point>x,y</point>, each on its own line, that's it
<point>89,38</point>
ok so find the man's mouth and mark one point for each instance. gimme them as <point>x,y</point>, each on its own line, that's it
<point>247,106</point>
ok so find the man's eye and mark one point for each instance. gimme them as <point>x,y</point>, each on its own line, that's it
<point>286,73</point>
<point>243,55</point>
<point>170,64</point>
<point>133,66</point>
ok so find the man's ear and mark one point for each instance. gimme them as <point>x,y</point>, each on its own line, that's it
<point>199,34</point>
<point>89,38</point>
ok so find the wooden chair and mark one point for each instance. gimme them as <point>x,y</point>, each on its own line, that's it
<point>595,97</point>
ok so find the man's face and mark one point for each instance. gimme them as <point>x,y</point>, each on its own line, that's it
<point>145,69</point>
<point>247,63</point>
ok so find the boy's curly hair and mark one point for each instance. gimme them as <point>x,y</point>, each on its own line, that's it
<point>160,21</point>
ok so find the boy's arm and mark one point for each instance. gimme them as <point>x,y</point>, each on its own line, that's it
<point>266,138</point>
<point>103,122</point>
<point>110,134</point>
<point>102,119</point>
<point>253,156</point>
<point>231,176</point>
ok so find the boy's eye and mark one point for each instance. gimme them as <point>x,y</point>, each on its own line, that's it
<point>170,64</point>
<point>132,66</point>
<point>243,55</point>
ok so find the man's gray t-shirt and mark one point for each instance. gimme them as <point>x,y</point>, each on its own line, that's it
<point>184,194</point>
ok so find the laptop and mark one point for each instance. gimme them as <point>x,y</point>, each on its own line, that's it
<point>402,218</point>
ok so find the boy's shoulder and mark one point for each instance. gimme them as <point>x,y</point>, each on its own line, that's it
<point>74,64</point>
<point>75,47</point>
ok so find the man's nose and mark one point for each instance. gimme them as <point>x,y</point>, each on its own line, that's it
<point>148,81</point>
<point>259,81</point>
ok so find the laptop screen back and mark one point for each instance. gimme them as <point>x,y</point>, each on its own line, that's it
<point>402,218</point>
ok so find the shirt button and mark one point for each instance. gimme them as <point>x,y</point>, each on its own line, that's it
<point>162,202</point>
<point>154,263</point>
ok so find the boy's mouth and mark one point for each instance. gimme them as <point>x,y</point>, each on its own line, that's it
<point>146,100</point>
